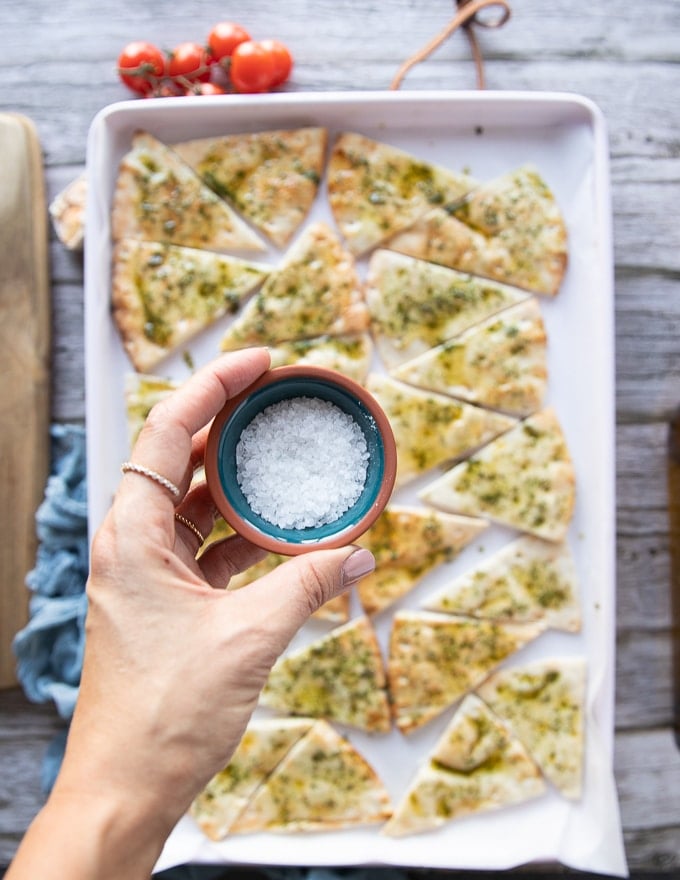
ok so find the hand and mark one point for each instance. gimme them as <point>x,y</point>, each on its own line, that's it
<point>173,663</point>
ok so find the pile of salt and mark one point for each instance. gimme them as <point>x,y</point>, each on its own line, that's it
<point>301,463</point>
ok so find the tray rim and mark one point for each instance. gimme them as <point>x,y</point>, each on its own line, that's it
<point>583,110</point>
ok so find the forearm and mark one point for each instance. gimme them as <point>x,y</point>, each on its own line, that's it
<point>85,837</point>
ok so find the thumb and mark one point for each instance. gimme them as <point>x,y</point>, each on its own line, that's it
<point>300,586</point>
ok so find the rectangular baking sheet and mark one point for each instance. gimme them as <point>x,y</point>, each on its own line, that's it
<point>487,134</point>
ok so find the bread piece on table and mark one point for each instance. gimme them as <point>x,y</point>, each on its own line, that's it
<point>376,189</point>
<point>524,479</point>
<point>323,784</point>
<point>339,676</point>
<point>500,363</point>
<point>316,291</point>
<point>262,746</point>
<point>407,543</point>
<point>415,305</point>
<point>543,704</point>
<point>270,177</point>
<point>163,295</point>
<point>159,198</point>
<point>476,766</point>
<point>509,228</point>
<point>527,579</point>
<point>435,659</point>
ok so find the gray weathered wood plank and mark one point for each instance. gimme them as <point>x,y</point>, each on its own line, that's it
<point>624,56</point>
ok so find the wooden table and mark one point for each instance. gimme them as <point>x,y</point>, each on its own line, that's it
<point>57,68</point>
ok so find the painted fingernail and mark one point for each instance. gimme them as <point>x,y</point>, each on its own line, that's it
<point>356,566</point>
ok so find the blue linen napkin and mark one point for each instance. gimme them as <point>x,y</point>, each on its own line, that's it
<point>49,650</point>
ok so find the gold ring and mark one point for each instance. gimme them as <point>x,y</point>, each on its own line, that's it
<point>131,467</point>
<point>191,526</point>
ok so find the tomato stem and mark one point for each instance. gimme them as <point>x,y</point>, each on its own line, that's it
<point>185,80</point>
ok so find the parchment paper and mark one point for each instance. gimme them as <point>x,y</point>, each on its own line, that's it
<point>487,134</point>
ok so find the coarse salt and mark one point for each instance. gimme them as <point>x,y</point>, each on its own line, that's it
<point>301,462</point>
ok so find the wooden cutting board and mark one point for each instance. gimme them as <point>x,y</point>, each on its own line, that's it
<point>24,370</point>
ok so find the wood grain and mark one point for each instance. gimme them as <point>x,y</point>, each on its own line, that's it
<point>622,55</point>
<point>24,367</point>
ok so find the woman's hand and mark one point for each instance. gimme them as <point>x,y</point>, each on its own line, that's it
<point>173,663</point>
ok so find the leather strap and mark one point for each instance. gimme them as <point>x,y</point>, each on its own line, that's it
<point>467,16</point>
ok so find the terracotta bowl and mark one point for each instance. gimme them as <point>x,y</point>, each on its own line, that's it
<point>283,383</point>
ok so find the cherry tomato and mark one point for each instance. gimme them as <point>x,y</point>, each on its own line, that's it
<point>189,60</point>
<point>224,38</point>
<point>253,68</point>
<point>146,60</point>
<point>283,60</point>
<point>205,88</point>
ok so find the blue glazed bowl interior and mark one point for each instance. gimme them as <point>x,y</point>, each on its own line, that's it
<point>285,389</point>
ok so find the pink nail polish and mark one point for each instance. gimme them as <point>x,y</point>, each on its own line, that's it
<point>356,566</point>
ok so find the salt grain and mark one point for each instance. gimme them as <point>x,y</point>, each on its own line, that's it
<point>301,463</point>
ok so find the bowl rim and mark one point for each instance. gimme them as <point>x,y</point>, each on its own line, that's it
<point>347,535</point>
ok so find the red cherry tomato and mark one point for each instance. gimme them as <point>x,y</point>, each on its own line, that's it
<point>205,88</point>
<point>224,38</point>
<point>252,67</point>
<point>189,60</point>
<point>145,63</point>
<point>283,60</point>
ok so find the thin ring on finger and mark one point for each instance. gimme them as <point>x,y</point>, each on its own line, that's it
<point>131,467</point>
<point>199,509</point>
<point>193,528</point>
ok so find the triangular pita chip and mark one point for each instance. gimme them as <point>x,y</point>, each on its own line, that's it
<point>262,746</point>
<point>335,610</point>
<point>159,198</point>
<point>315,292</point>
<point>543,703</point>
<point>270,177</point>
<point>142,393</point>
<point>163,295</point>
<point>476,766</point>
<point>376,189</point>
<point>350,355</point>
<point>407,543</point>
<point>509,229</point>
<point>322,784</point>
<point>528,579</point>
<point>340,676</point>
<point>430,428</point>
<point>500,362</point>
<point>435,659</point>
<point>523,479</point>
<point>518,212</point>
<point>415,305</point>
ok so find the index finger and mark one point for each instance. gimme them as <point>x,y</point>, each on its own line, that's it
<point>164,444</point>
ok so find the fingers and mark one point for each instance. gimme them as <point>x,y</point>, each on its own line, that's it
<point>222,560</point>
<point>299,587</point>
<point>166,440</point>
<point>198,444</point>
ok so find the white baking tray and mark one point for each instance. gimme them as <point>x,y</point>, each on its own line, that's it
<point>487,134</point>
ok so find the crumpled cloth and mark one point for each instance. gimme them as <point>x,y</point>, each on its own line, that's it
<point>49,650</point>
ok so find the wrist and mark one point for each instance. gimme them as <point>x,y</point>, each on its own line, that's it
<point>86,835</point>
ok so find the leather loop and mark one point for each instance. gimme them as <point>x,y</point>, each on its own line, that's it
<point>467,17</point>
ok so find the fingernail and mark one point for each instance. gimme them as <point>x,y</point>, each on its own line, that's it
<point>356,566</point>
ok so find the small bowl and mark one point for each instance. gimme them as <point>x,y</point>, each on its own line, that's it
<point>284,383</point>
